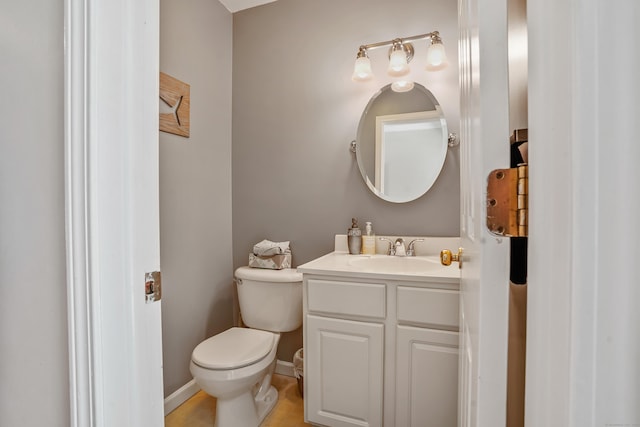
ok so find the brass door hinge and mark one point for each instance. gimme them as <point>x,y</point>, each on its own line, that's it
<point>508,201</point>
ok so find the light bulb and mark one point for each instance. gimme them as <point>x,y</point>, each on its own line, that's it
<point>362,70</point>
<point>398,65</point>
<point>436,57</point>
<point>402,86</point>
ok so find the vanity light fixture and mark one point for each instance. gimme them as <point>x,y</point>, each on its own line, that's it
<point>362,70</point>
<point>399,58</point>
<point>401,52</point>
<point>436,56</point>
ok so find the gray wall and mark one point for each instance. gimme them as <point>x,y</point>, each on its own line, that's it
<point>195,185</point>
<point>34,386</point>
<point>295,110</point>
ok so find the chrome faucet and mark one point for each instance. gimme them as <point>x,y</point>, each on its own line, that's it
<point>398,248</point>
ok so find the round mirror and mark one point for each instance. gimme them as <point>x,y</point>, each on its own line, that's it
<point>401,143</point>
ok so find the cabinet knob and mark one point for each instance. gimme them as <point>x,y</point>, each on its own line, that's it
<point>447,257</point>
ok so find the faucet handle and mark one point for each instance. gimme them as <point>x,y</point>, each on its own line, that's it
<point>391,250</point>
<point>411,251</point>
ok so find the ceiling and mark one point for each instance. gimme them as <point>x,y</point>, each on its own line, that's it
<point>237,5</point>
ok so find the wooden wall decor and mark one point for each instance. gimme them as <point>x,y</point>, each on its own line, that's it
<point>175,104</point>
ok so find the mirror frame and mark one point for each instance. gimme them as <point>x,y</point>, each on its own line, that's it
<point>369,178</point>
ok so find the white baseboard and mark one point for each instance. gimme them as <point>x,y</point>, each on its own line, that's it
<point>284,368</point>
<point>180,396</point>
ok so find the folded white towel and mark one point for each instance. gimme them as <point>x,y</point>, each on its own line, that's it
<point>268,248</point>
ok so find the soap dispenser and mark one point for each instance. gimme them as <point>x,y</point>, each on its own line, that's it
<point>369,240</point>
<point>354,238</point>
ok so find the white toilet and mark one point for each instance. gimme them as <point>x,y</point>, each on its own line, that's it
<point>236,365</point>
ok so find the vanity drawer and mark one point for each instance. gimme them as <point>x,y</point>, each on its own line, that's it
<point>429,307</point>
<point>347,298</point>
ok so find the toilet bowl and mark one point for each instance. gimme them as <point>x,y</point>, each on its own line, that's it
<point>236,366</point>
<point>241,386</point>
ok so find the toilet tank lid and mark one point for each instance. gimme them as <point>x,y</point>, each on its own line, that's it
<point>264,274</point>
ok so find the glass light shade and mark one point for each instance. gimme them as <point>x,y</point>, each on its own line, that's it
<point>398,65</point>
<point>436,57</point>
<point>362,70</point>
<point>402,86</point>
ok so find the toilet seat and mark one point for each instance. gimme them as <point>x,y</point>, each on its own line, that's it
<point>233,348</point>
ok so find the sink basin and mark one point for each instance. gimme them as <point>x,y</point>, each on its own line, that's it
<point>395,264</point>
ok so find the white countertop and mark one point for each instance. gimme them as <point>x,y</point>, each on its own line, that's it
<point>341,263</point>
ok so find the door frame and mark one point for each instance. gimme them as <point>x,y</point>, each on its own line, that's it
<point>548,388</point>
<point>583,106</point>
<point>112,211</point>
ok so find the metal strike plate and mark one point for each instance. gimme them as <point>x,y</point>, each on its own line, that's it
<point>152,287</point>
<point>507,202</point>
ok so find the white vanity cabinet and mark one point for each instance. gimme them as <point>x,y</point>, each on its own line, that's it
<point>344,352</point>
<point>380,350</point>
<point>426,392</point>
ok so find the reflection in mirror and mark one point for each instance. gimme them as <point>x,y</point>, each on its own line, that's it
<point>401,143</point>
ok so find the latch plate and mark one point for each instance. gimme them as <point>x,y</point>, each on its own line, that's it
<point>152,287</point>
<point>507,201</point>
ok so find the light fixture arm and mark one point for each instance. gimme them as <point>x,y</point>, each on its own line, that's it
<point>434,36</point>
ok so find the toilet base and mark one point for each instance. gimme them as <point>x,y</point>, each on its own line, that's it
<point>233,412</point>
<point>266,405</point>
<point>244,396</point>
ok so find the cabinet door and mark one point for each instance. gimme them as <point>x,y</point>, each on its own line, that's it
<point>343,372</point>
<point>426,377</point>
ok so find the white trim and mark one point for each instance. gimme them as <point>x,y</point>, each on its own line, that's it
<point>284,368</point>
<point>583,268</point>
<point>82,365</point>
<point>180,396</point>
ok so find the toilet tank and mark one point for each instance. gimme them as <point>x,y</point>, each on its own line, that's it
<point>270,300</point>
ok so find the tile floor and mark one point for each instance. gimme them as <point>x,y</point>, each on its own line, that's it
<point>199,410</point>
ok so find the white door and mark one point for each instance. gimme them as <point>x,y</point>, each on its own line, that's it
<point>484,145</point>
<point>112,204</point>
